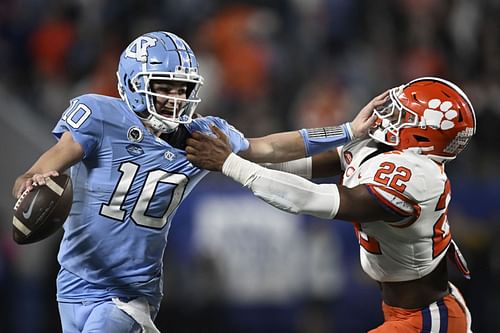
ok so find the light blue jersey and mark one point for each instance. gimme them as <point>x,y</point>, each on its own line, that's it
<point>126,191</point>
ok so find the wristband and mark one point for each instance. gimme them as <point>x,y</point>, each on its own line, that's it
<point>317,140</point>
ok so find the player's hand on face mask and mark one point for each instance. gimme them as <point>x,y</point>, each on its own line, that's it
<point>366,118</point>
<point>208,151</point>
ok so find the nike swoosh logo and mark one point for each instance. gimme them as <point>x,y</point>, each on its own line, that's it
<point>27,214</point>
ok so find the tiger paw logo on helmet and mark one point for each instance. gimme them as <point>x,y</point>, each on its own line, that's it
<point>439,114</point>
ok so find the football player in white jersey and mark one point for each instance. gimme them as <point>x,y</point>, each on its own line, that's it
<point>130,173</point>
<point>394,190</point>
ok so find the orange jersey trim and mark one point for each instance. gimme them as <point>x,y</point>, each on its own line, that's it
<point>376,192</point>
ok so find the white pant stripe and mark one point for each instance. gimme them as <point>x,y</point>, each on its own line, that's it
<point>435,317</point>
<point>458,296</point>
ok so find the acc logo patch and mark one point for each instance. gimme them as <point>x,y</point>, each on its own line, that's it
<point>135,150</point>
<point>169,155</point>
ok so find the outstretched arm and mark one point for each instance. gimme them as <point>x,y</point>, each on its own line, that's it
<point>58,158</point>
<point>286,146</point>
<point>285,191</point>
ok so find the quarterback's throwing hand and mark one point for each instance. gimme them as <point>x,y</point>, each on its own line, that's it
<point>29,181</point>
<point>206,151</point>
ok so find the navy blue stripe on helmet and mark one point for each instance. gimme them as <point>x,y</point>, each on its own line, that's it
<point>176,47</point>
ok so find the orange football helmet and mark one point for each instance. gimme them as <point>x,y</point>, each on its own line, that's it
<point>430,115</point>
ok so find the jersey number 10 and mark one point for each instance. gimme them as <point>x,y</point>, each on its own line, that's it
<point>113,209</point>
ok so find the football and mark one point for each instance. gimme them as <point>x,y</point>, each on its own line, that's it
<point>42,211</point>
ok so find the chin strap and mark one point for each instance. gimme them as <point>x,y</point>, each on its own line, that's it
<point>161,125</point>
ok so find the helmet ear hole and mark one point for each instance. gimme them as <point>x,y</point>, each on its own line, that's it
<point>130,85</point>
<point>420,138</point>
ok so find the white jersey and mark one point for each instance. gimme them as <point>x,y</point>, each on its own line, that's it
<point>410,185</point>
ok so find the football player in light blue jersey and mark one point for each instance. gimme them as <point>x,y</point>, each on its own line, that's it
<point>130,173</point>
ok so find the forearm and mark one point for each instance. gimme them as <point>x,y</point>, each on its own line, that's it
<point>287,146</point>
<point>326,164</point>
<point>275,148</point>
<point>58,158</point>
<point>287,192</point>
<point>322,165</point>
<point>300,167</point>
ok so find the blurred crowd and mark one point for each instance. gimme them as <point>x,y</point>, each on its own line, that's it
<point>278,65</point>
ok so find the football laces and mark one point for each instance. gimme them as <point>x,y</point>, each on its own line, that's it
<point>18,202</point>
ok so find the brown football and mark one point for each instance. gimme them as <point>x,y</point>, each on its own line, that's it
<point>42,211</point>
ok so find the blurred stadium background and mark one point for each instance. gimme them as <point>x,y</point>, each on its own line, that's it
<point>234,264</point>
